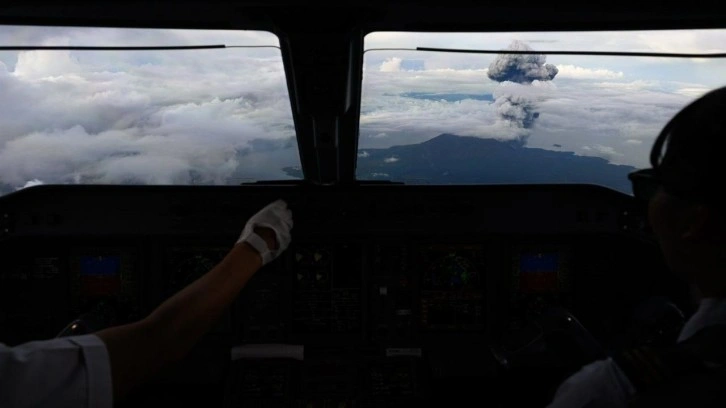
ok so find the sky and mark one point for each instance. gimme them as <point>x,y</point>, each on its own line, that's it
<point>224,116</point>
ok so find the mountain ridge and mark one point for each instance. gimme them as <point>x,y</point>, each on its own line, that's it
<point>453,159</point>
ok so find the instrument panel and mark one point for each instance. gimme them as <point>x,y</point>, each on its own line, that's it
<point>388,291</point>
<point>357,293</point>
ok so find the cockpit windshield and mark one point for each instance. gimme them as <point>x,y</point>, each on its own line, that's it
<point>442,115</point>
<point>142,116</point>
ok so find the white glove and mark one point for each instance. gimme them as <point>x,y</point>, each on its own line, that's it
<point>278,218</point>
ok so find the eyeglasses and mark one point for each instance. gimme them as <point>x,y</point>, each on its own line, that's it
<point>645,183</point>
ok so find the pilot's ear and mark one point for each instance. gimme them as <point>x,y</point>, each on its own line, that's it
<point>700,224</point>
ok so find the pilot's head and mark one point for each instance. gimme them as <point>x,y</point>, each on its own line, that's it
<point>684,188</point>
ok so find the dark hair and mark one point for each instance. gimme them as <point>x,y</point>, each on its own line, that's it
<point>688,155</point>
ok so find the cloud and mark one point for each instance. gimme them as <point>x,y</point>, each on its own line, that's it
<point>31,183</point>
<point>434,78</point>
<point>44,64</point>
<point>637,85</point>
<point>114,156</point>
<point>143,117</point>
<point>575,72</point>
<point>396,64</point>
<point>391,65</point>
<point>402,118</point>
<point>693,92</point>
<point>391,159</point>
<point>634,141</point>
<point>606,152</point>
<point>363,154</point>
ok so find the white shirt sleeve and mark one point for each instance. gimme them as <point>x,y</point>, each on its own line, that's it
<point>64,372</point>
<point>599,384</point>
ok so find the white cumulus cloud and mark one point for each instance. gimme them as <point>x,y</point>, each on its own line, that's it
<point>31,183</point>
<point>604,151</point>
<point>391,65</point>
<point>575,72</point>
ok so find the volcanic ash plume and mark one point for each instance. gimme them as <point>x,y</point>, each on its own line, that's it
<point>517,109</point>
<point>521,68</point>
<point>514,108</point>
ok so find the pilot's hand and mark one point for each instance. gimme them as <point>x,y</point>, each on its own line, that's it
<point>268,231</point>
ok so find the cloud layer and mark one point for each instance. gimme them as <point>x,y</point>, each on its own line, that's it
<point>161,117</point>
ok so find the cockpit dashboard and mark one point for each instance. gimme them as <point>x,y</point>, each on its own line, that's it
<point>393,295</point>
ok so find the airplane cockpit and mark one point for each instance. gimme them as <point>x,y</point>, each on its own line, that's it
<point>464,226</point>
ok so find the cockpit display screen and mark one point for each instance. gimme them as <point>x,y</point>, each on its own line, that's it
<point>100,265</point>
<point>452,287</point>
<point>452,269</point>
<point>99,275</point>
<point>538,272</point>
<point>103,274</point>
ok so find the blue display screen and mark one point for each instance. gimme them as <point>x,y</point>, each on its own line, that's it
<point>539,262</point>
<point>100,265</point>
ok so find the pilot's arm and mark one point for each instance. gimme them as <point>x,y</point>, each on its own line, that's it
<point>92,370</point>
<point>63,372</point>
<point>138,350</point>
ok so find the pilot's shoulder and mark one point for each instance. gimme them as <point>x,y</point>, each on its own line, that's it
<point>598,384</point>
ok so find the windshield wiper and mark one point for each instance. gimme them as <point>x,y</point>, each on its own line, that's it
<point>538,52</point>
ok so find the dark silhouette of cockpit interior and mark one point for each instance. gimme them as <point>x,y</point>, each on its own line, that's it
<point>391,293</point>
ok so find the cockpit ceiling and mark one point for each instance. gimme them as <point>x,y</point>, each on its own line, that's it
<point>390,15</point>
